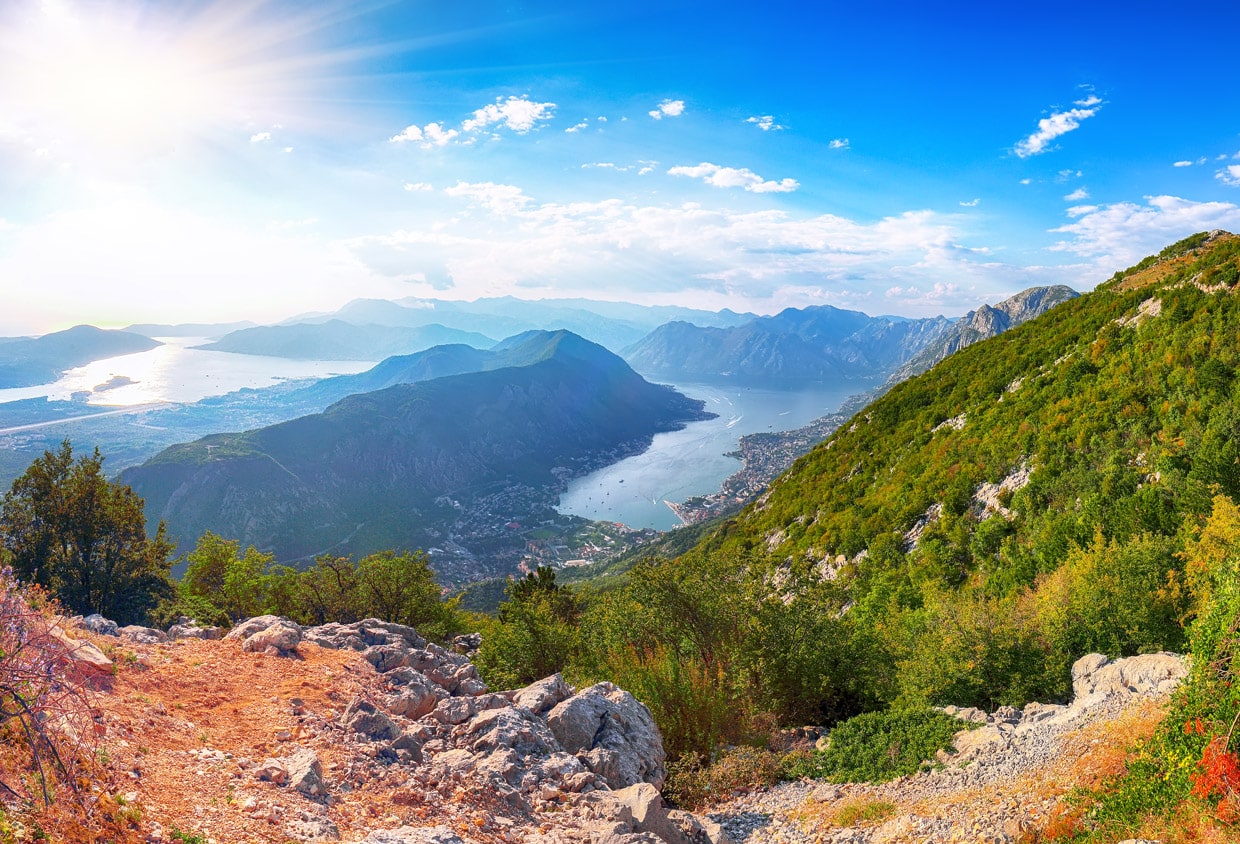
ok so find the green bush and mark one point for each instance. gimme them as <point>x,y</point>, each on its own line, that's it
<point>881,746</point>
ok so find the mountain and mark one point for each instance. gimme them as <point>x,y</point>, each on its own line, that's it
<point>793,348</point>
<point>187,329</point>
<point>1030,498</point>
<point>28,361</point>
<point>800,347</point>
<point>986,321</point>
<point>614,325</point>
<point>396,467</point>
<point>340,340</point>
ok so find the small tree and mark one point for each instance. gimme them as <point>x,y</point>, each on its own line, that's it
<point>83,537</point>
<point>219,579</point>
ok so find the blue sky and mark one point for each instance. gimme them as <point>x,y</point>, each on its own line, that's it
<point>219,159</point>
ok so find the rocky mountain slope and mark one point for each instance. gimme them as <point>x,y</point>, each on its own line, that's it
<point>365,733</point>
<point>986,321</point>
<point>27,361</point>
<point>801,347</point>
<point>393,468</point>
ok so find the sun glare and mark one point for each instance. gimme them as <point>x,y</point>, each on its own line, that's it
<point>125,80</point>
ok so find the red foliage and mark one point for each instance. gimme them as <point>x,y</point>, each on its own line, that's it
<point>1218,772</point>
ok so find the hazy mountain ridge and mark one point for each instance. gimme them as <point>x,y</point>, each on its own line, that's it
<point>613,325</point>
<point>340,340</point>
<point>29,361</point>
<point>367,472</point>
<point>799,347</point>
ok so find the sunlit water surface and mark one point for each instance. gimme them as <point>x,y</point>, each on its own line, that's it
<point>174,372</point>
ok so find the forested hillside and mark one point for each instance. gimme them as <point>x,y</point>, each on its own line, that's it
<point>962,540</point>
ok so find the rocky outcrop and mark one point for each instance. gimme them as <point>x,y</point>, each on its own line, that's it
<point>612,734</point>
<point>590,760</point>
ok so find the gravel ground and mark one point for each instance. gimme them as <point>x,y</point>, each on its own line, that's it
<point>993,793</point>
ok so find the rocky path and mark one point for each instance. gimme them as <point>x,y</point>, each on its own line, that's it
<point>1005,780</point>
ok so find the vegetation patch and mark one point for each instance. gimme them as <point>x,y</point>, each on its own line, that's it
<point>881,746</point>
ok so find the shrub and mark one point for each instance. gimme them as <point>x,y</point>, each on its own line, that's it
<point>40,712</point>
<point>880,746</point>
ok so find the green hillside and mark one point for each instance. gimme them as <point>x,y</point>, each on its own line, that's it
<point>962,540</point>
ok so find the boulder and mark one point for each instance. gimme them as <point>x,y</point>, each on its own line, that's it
<point>142,635</point>
<point>509,727</point>
<point>272,770</point>
<point>83,663</point>
<point>245,629</point>
<point>416,697</point>
<point>187,628</point>
<point>454,710</point>
<point>305,772</point>
<point>362,716</point>
<point>612,733</point>
<point>96,623</point>
<point>364,634</point>
<point>639,810</point>
<point>280,638</point>
<point>1094,674</point>
<point>539,697</point>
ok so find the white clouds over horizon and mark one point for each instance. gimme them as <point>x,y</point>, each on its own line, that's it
<point>732,177</point>
<point>1118,235</point>
<point>764,260</point>
<point>1059,123</point>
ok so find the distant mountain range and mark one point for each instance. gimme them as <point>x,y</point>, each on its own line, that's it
<point>29,361</point>
<point>393,467</point>
<point>340,340</point>
<point>614,325</point>
<point>801,347</point>
<point>187,329</point>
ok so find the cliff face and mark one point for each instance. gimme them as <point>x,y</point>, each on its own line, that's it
<point>365,474</point>
<point>985,322</point>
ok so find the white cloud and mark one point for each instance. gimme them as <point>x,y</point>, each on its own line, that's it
<point>1069,173</point>
<point>260,137</point>
<point>647,167</point>
<point>1077,195</point>
<point>501,199</point>
<point>972,203</point>
<point>732,177</point>
<point>764,260</point>
<point>1182,164</point>
<point>520,114</point>
<point>286,150</point>
<point>1026,181</point>
<point>1118,235</point>
<point>838,143</point>
<point>668,108</point>
<point>1229,175</point>
<point>585,124</point>
<point>1059,123</point>
<point>417,186</point>
<point>766,123</point>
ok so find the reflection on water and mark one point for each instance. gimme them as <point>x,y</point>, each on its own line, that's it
<point>681,464</point>
<point>176,373</point>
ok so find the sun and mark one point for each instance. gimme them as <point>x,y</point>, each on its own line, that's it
<point>128,79</point>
